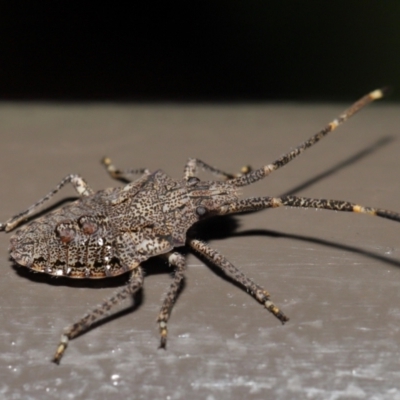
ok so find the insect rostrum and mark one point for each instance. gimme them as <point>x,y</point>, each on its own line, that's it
<point>113,231</point>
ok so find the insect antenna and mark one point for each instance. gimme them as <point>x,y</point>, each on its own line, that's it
<point>258,174</point>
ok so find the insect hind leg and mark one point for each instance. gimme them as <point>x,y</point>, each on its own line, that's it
<point>75,180</point>
<point>260,203</point>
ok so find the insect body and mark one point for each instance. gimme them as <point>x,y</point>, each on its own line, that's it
<point>113,231</point>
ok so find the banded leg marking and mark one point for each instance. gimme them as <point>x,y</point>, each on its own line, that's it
<point>193,164</point>
<point>118,174</point>
<point>259,203</point>
<point>178,261</point>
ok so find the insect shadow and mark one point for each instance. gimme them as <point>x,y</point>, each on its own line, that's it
<point>225,226</point>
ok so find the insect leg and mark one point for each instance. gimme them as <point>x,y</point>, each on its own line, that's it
<point>261,173</point>
<point>193,164</point>
<point>125,175</point>
<point>177,260</point>
<point>259,203</point>
<point>76,181</point>
<point>229,269</point>
<point>135,283</point>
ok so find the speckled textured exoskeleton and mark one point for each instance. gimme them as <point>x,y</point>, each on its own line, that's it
<point>113,231</point>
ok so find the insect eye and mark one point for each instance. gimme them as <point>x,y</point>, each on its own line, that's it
<point>193,181</point>
<point>87,224</point>
<point>201,211</point>
<point>65,231</point>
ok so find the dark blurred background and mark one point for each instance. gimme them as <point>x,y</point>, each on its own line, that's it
<point>198,50</point>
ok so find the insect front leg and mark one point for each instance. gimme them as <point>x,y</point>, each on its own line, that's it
<point>118,174</point>
<point>229,269</point>
<point>135,283</point>
<point>193,164</point>
<point>75,180</point>
<point>177,260</point>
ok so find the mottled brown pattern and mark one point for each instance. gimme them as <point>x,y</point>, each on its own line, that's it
<point>113,231</point>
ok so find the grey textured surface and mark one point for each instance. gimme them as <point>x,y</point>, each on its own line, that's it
<point>335,274</point>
